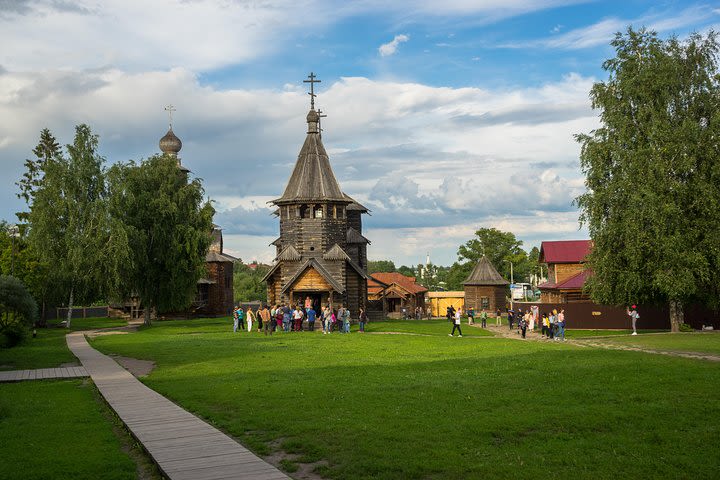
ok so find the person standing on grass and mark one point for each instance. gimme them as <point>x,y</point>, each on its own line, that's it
<point>241,317</point>
<point>311,315</point>
<point>471,316</point>
<point>266,320</point>
<point>250,319</point>
<point>346,320</point>
<point>561,324</point>
<point>362,318</point>
<point>278,317</point>
<point>287,318</point>
<point>483,319</point>
<point>634,315</point>
<point>511,318</point>
<point>235,320</point>
<point>429,313</point>
<point>298,318</point>
<point>533,317</point>
<point>498,318</point>
<point>456,323</point>
<point>523,325</point>
<point>259,318</point>
<point>545,323</point>
<point>333,320</point>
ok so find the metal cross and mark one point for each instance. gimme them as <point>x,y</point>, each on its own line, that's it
<point>170,109</point>
<point>312,83</point>
<point>320,117</point>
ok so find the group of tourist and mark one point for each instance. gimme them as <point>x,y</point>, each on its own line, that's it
<point>552,325</point>
<point>417,314</point>
<point>286,318</point>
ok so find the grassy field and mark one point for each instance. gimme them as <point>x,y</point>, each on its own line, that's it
<point>579,333</point>
<point>424,327</point>
<point>49,348</point>
<point>59,430</point>
<point>407,406</point>
<point>707,342</point>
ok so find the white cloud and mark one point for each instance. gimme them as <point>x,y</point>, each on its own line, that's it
<point>416,155</point>
<point>387,49</point>
<point>603,31</point>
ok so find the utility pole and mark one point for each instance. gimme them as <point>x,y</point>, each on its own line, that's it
<point>512,283</point>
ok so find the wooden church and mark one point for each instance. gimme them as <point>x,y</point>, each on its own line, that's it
<point>485,288</point>
<point>321,254</point>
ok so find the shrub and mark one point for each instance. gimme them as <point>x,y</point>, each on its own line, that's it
<point>18,309</point>
<point>684,327</point>
<point>14,335</point>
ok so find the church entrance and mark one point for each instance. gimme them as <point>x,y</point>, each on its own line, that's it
<point>314,300</point>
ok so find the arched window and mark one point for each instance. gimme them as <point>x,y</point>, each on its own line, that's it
<point>303,211</point>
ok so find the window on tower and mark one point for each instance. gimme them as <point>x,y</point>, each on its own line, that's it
<point>318,211</point>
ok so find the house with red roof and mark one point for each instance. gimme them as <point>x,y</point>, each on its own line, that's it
<point>567,274</point>
<point>396,291</point>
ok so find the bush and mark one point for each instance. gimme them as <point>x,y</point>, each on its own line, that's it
<point>14,335</point>
<point>18,310</point>
<point>684,327</point>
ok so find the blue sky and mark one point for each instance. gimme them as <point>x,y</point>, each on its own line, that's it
<point>443,116</point>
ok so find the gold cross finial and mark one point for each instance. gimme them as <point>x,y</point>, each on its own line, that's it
<point>312,83</point>
<point>170,109</point>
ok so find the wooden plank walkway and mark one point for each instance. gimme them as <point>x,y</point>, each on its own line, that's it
<point>42,373</point>
<point>182,445</point>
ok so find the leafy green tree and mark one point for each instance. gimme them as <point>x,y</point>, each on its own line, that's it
<point>407,271</point>
<point>247,282</point>
<point>47,150</point>
<point>457,274</point>
<point>71,228</point>
<point>28,268</point>
<point>17,307</point>
<point>168,227</point>
<point>381,266</point>
<point>500,248</point>
<point>652,173</point>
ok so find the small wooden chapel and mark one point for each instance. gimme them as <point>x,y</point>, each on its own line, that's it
<point>321,254</point>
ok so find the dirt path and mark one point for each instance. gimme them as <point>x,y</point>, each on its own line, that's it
<point>597,342</point>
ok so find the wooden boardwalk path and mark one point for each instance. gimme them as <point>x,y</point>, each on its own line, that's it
<point>182,445</point>
<point>42,373</point>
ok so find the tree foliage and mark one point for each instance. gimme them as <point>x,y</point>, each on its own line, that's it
<point>500,248</point>
<point>17,307</point>
<point>652,173</point>
<point>381,266</point>
<point>247,282</point>
<point>168,227</point>
<point>71,228</point>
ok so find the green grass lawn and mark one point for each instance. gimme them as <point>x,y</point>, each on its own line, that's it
<point>579,333</point>
<point>424,327</point>
<point>432,407</point>
<point>707,342</point>
<point>49,349</point>
<point>58,430</point>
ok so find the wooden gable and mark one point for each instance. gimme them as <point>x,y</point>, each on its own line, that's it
<point>311,280</point>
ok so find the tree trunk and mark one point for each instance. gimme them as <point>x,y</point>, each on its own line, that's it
<point>147,315</point>
<point>70,308</point>
<point>676,315</point>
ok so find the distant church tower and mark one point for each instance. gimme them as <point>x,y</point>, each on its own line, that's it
<point>214,296</point>
<point>321,252</point>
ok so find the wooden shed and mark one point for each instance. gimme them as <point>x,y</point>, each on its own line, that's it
<point>485,289</point>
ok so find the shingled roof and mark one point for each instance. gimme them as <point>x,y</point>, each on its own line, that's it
<point>485,274</point>
<point>313,178</point>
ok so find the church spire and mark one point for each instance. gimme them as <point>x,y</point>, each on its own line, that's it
<point>312,178</point>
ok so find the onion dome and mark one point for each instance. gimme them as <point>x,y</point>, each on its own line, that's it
<point>170,143</point>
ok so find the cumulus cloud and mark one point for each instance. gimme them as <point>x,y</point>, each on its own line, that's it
<point>388,49</point>
<point>419,157</point>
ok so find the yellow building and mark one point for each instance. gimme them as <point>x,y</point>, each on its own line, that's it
<point>440,301</point>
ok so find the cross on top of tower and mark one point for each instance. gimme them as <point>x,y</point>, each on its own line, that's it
<point>312,83</point>
<point>170,109</point>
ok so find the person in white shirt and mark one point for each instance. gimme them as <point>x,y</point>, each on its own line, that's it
<point>456,323</point>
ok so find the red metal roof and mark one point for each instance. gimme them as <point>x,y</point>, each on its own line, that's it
<point>565,251</point>
<point>408,283</point>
